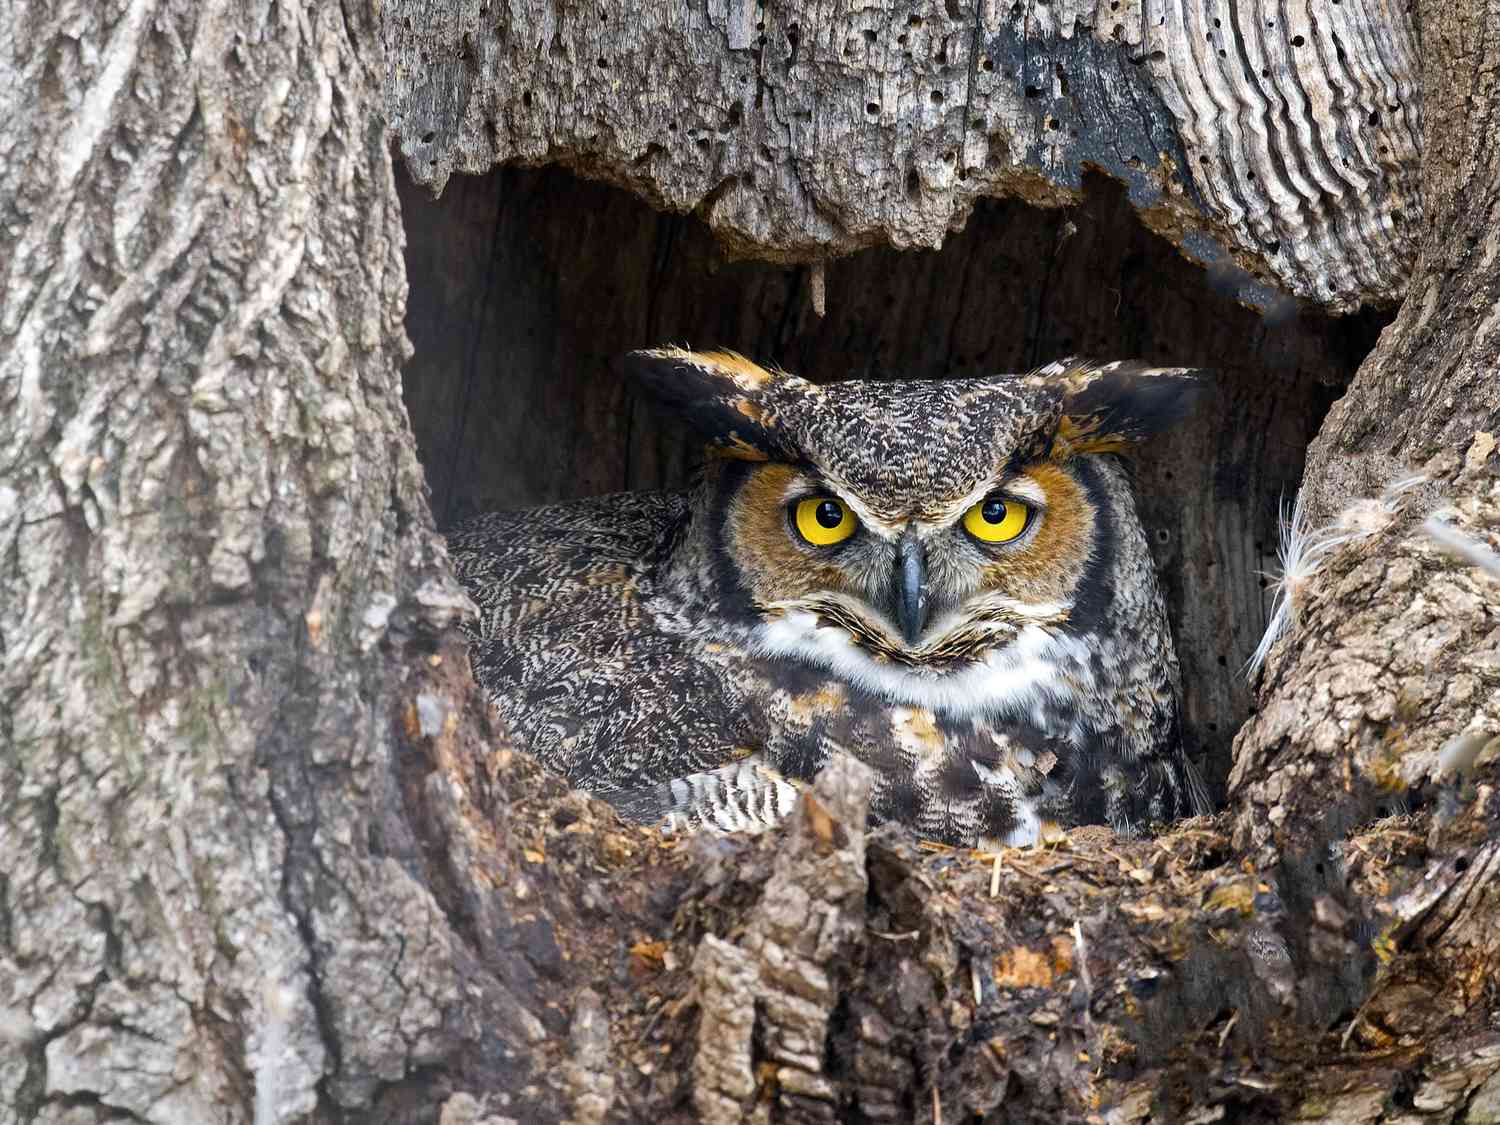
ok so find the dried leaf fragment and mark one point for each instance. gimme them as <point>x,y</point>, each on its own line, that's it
<point>648,957</point>
<point>1022,968</point>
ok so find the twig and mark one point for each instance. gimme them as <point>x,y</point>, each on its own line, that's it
<point>1228,1027</point>
<point>1358,1016</point>
<point>1083,957</point>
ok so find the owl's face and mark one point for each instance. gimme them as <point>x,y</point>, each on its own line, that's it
<point>913,531</point>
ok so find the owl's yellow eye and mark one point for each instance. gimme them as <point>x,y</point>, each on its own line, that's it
<point>824,521</point>
<point>997,520</point>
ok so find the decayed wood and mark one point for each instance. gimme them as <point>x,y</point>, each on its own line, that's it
<point>1399,646</point>
<point>1393,655</point>
<point>1387,686</point>
<point>822,974</point>
<point>1281,135</point>
<point>1430,385</point>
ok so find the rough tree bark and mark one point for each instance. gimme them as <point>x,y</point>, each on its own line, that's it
<point>261,853</point>
<point>219,573</point>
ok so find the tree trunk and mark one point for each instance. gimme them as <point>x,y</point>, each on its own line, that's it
<point>262,855</point>
<point>221,584</point>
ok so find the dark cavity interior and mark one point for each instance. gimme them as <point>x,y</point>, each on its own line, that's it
<point>528,286</point>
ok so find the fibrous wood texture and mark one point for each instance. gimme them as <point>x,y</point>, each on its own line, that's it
<point>1430,386</point>
<point>1280,138</point>
<point>1387,687</point>
<point>1378,691</point>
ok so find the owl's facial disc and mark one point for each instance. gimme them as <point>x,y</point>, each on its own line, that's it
<point>930,524</point>
<point>928,594</point>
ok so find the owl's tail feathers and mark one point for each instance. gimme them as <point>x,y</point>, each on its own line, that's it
<point>745,796</point>
<point>1198,801</point>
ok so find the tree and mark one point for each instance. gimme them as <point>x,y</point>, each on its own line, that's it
<point>263,854</point>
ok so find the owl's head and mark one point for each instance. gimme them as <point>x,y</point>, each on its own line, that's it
<point>921,524</point>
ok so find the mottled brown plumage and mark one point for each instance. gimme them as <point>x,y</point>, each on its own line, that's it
<point>946,579</point>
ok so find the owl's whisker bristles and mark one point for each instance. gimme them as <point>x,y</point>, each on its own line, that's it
<point>959,637</point>
<point>1042,613</point>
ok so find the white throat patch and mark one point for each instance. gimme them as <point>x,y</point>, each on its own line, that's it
<point>1010,682</point>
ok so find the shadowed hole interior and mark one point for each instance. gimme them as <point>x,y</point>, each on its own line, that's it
<point>528,286</point>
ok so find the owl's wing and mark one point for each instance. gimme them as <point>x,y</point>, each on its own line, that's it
<point>573,654</point>
<point>744,796</point>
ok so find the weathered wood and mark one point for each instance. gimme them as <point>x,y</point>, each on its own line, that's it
<point>1281,137</point>
<point>1430,385</point>
<point>1397,647</point>
<point>820,974</point>
<point>1387,687</point>
<point>1102,981</point>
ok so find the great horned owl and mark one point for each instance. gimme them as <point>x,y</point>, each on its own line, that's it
<point>946,579</point>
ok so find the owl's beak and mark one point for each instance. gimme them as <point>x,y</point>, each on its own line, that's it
<point>911,585</point>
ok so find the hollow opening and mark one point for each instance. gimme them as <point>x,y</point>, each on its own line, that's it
<point>528,286</point>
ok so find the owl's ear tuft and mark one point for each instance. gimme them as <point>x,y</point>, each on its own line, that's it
<point>724,396</point>
<point>1111,407</point>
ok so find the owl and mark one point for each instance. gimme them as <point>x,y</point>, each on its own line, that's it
<point>946,579</point>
